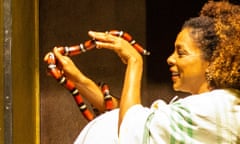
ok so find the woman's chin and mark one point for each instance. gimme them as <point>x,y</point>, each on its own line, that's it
<point>178,88</point>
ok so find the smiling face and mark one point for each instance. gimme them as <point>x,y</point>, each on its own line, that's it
<point>187,65</point>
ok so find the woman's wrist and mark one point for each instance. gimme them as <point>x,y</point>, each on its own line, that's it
<point>135,60</point>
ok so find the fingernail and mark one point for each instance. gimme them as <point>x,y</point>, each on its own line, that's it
<point>90,32</point>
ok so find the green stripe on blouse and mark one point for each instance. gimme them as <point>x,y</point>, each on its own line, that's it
<point>146,133</point>
<point>181,124</point>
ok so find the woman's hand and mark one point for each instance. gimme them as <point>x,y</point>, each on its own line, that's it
<point>122,47</point>
<point>67,66</point>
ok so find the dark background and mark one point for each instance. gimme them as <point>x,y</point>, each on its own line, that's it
<point>153,23</point>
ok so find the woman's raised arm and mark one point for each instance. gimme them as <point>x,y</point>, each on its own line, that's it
<point>131,57</point>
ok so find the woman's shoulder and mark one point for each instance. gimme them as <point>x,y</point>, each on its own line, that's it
<point>210,102</point>
<point>214,95</point>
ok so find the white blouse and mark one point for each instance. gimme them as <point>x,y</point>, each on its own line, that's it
<point>207,118</point>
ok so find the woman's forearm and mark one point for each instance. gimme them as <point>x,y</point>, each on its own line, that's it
<point>87,88</point>
<point>92,93</point>
<point>132,87</point>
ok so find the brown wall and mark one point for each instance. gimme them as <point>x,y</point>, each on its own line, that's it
<point>66,23</point>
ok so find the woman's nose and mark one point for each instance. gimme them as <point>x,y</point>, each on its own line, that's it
<point>171,60</point>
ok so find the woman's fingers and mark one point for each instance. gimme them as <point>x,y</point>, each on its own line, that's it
<point>101,36</point>
<point>46,57</point>
<point>118,44</point>
<point>106,40</point>
<point>63,60</point>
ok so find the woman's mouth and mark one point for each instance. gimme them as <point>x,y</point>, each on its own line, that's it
<point>175,75</point>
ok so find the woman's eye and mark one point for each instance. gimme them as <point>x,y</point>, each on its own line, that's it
<point>181,52</point>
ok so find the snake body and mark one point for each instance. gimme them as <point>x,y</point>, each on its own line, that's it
<point>56,73</point>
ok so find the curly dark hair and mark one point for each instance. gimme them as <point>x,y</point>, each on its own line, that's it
<point>224,68</point>
<point>202,31</point>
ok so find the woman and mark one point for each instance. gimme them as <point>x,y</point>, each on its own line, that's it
<point>205,62</point>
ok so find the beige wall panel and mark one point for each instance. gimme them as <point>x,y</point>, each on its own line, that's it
<point>25,77</point>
